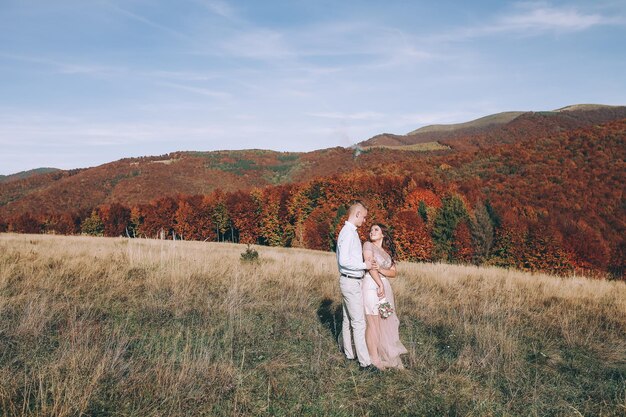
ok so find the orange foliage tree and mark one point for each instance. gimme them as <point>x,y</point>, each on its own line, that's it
<point>587,247</point>
<point>414,198</point>
<point>272,226</point>
<point>412,237</point>
<point>115,218</point>
<point>62,223</point>
<point>462,249</point>
<point>542,249</point>
<point>193,218</point>
<point>245,213</point>
<point>158,219</point>
<point>24,223</point>
<point>317,229</point>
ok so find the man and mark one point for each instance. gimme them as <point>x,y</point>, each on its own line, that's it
<point>351,271</point>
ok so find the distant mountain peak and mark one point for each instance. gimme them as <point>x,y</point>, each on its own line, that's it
<point>501,118</point>
<point>492,119</point>
<point>26,174</point>
<point>575,107</point>
<point>494,122</point>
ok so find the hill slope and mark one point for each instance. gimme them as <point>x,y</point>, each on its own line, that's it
<point>139,180</point>
<point>494,119</point>
<point>506,126</point>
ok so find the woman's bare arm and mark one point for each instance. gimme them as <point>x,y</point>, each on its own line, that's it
<point>389,273</point>
<point>368,255</point>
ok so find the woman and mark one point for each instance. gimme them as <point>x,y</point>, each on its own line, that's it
<point>381,334</point>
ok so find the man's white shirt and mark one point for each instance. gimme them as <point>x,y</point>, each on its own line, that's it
<point>350,252</point>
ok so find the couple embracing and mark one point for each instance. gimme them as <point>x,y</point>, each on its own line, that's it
<point>364,269</point>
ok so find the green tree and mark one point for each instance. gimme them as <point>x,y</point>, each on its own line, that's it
<point>220,215</point>
<point>495,219</point>
<point>482,233</point>
<point>92,225</point>
<point>453,210</point>
<point>421,210</point>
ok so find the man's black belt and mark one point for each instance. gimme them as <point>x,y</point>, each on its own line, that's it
<point>349,276</point>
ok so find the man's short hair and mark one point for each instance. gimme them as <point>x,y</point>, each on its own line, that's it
<point>358,204</point>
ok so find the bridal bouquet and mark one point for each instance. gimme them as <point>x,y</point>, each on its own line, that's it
<point>384,308</point>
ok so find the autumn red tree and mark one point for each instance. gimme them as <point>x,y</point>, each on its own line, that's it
<point>193,218</point>
<point>412,237</point>
<point>245,213</point>
<point>115,218</point>
<point>542,249</point>
<point>24,223</point>
<point>462,249</point>
<point>62,223</point>
<point>158,219</point>
<point>317,229</point>
<point>414,197</point>
<point>587,247</point>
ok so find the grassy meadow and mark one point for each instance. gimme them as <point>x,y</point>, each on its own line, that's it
<point>417,147</point>
<point>100,326</point>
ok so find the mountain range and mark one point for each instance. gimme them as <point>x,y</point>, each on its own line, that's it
<point>139,180</point>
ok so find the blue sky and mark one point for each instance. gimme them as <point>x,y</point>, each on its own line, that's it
<point>86,82</point>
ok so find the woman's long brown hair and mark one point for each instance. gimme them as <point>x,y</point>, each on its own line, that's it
<point>388,244</point>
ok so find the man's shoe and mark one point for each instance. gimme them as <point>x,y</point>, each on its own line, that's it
<point>371,369</point>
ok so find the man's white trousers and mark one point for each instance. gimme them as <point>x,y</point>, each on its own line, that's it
<point>353,326</point>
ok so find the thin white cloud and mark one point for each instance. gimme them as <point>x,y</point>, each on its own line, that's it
<point>220,8</point>
<point>68,67</point>
<point>147,21</point>
<point>320,49</point>
<point>181,75</point>
<point>61,132</point>
<point>98,70</point>
<point>533,19</point>
<point>262,44</point>
<point>348,116</point>
<point>543,18</point>
<point>198,90</point>
<point>59,135</point>
<point>361,45</point>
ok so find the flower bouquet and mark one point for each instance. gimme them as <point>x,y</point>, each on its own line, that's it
<point>384,308</point>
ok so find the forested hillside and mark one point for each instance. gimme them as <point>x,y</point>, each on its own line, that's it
<point>535,194</point>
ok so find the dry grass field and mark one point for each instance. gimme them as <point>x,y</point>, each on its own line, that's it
<point>98,326</point>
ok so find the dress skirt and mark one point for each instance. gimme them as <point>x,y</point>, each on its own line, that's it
<point>389,345</point>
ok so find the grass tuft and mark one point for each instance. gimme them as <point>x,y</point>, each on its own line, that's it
<point>250,254</point>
